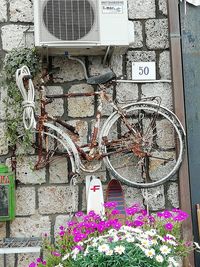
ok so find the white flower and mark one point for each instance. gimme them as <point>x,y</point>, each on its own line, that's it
<point>149,252</point>
<point>59,265</point>
<point>171,236</point>
<point>103,248</point>
<point>145,243</point>
<point>151,232</point>
<point>119,249</point>
<point>65,257</point>
<point>173,263</point>
<point>109,252</point>
<point>165,250</point>
<point>159,258</point>
<point>131,239</point>
<point>154,242</point>
<point>172,242</point>
<point>75,251</point>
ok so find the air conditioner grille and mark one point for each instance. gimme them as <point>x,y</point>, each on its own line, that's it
<point>68,19</point>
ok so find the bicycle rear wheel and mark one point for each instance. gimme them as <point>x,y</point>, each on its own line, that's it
<point>142,145</point>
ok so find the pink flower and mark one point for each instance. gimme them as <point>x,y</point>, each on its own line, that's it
<point>32,264</point>
<point>55,253</point>
<point>168,226</point>
<point>137,223</point>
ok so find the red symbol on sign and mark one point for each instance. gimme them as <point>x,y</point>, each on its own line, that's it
<point>95,188</point>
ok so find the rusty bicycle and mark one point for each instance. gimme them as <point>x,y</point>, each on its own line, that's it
<point>141,143</point>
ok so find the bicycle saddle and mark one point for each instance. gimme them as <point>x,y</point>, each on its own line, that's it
<point>101,79</point>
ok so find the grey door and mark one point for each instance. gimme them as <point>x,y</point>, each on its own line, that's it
<point>190,33</point>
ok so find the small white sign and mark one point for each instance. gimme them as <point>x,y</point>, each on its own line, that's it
<point>143,71</point>
<point>109,7</point>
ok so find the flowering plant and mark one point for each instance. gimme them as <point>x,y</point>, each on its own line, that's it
<point>137,239</point>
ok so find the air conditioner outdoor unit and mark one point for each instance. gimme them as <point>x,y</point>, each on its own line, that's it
<point>82,26</point>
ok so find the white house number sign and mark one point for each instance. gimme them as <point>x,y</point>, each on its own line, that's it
<point>143,71</point>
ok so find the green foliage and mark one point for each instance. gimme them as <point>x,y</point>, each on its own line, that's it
<point>15,59</point>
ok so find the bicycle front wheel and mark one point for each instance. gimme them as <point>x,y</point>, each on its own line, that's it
<point>143,144</point>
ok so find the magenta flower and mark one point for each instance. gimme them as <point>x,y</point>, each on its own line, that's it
<point>168,226</point>
<point>55,253</point>
<point>61,227</point>
<point>38,260</point>
<point>137,223</point>
<point>79,214</point>
<point>167,214</point>
<point>32,264</point>
<point>110,205</point>
<point>115,212</point>
<point>62,233</point>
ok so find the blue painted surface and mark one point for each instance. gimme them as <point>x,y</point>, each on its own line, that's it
<point>190,31</point>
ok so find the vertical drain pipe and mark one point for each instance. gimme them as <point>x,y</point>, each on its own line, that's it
<point>179,109</point>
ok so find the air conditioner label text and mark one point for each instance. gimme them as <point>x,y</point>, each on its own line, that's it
<point>112,7</point>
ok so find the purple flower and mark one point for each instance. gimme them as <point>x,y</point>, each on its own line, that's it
<point>168,226</point>
<point>115,212</point>
<point>61,227</point>
<point>159,214</point>
<point>138,223</point>
<point>151,218</point>
<point>79,214</point>
<point>39,260</point>
<point>32,264</point>
<point>62,233</point>
<point>110,205</point>
<point>167,214</point>
<point>55,253</point>
<point>144,212</point>
<point>91,213</point>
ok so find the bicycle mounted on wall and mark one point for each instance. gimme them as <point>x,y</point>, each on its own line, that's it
<point>141,143</point>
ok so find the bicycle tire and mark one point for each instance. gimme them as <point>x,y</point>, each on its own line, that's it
<point>132,144</point>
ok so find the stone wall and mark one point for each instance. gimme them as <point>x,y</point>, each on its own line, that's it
<point>44,198</point>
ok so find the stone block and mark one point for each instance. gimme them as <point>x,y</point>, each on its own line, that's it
<point>116,64</point>
<point>81,106</point>
<point>57,199</point>
<point>3,140</point>
<point>69,70</point>
<point>155,198</point>
<point>61,220</point>
<point>3,8</point>
<point>10,41</point>
<point>96,66</point>
<point>165,65</point>
<point>141,9</point>
<point>126,92</point>
<point>2,230</point>
<point>163,90</point>
<point>173,195</point>
<point>132,196</point>
<point>138,42</point>
<point>163,7</point>
<point>157,34</point>
<point>25,201</point>
<point>33,226</point>
<point>138,56</point>
<point>25,172</point>
<point>82,129</point>
<point>159,167</point>
<point>56,107</point>
<point>165,135</point>
<point>58,171</point>
<point>3,96</point>
<point>10,260</point>
<point>21,10</point>
<point>24,259</point>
